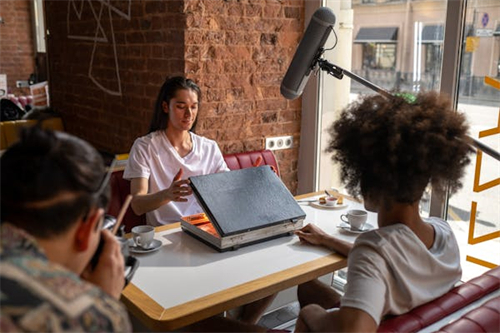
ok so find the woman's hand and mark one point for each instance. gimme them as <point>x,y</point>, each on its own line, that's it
<point>179,189</point>
<point>312,234</point>
<point>109,273</point>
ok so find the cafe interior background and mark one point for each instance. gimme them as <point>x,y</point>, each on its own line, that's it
<point>101,64</point>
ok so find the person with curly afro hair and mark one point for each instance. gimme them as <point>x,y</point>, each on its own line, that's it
<point>389,151</point>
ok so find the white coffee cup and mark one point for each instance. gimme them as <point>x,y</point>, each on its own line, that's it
<point>143,235</point>
<point>355,218</point>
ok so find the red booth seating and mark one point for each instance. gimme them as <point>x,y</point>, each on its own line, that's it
<point>120,187</point>
<point>247,159</point>
<point>486,318</point>
<point>456,299</point>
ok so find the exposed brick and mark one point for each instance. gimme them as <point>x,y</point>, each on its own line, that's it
<point>16,44</point>
<point>253,10</point>
<point>235,9</point>
<point>237,51</point>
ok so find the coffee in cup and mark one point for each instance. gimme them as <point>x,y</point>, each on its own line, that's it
<point>143,235</point>
<point>355,218</point>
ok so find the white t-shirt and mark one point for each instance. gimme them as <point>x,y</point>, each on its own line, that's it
<point>390,271</point>
<point>153,157</point>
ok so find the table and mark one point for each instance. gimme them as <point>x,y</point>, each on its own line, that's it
<point>186,281</point>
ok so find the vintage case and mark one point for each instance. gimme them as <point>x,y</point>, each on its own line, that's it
<point>242,207</point>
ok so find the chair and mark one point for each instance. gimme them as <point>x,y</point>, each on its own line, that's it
<point>120,188</point>
<point>244,160</point>
<point>10,130</point>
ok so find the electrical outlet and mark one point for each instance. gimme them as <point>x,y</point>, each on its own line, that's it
<point>22,84</point>
<point>279,142</point>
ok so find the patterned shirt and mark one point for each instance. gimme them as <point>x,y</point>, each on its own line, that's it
<point>41,296</point>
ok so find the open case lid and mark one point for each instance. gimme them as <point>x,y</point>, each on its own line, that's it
<point>244,200</point>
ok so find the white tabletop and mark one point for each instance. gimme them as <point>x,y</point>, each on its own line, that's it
<point>185,269</point>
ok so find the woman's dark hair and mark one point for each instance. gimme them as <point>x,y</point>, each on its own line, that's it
<point>167,92</point>
<point>390,149</point>
<point>49,180</point>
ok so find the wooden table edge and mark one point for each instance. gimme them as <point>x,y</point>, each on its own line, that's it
<point>154,316</point>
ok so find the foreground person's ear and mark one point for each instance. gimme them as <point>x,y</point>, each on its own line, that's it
<point>86,227</point>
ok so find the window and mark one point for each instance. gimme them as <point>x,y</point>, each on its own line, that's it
<point>379,56</point>
<point>473,212</point>
<point>415,33</point>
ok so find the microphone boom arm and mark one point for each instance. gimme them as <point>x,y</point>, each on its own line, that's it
<point>339,73</point>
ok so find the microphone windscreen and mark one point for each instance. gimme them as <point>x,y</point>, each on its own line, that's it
<point>314,38</point>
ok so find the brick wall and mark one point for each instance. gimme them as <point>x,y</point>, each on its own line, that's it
<point>237,51</point>
<point>17,57</point>
<point>108,62</point>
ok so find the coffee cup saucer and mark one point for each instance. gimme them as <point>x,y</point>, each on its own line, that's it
<point>347,228</point>
<point>155,245</point>
<point>317,204</point>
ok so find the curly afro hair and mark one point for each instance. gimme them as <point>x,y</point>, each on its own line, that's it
<point>391,149</point>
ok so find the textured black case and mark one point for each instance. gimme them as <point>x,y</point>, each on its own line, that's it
<point>244,200</point>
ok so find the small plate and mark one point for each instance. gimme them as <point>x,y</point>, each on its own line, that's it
<point>155,245</point>
<point>324,206</point>
<point>346,227</point>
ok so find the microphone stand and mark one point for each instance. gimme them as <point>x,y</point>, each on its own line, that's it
<point>339,73</point>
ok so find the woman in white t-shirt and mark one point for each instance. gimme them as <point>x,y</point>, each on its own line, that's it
<point>389,150</point>
<point>161,162</point>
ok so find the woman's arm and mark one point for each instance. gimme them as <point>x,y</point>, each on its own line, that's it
<point>314,235</point>
<point>314,318</point>
<point>143,202</point>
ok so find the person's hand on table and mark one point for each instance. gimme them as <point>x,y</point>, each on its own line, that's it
<point>109,273</point>
<point>311,234</point>
<point>179,189</point>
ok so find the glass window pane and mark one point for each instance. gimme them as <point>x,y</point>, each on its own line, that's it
<point>397,45</point>
<point>474,212</point>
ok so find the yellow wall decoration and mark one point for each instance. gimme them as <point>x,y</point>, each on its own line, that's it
<point>483,187</point>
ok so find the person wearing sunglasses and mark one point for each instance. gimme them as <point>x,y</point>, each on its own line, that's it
<point>54,194</point>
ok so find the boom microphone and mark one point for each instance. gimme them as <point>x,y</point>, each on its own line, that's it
<point>307,53</point>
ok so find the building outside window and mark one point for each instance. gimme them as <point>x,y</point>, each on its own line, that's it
<point>379,56</point>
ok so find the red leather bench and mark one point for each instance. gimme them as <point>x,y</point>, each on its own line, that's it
<point>486,318</point>
<point>454,300</point>
<point>120,187</point>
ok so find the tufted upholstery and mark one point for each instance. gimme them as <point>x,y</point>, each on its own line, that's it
<point>120,187</point>
<point>486,318</point>
<point>443,306</point>
<point>244,160</point>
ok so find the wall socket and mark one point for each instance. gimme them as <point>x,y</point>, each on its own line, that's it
<point>279,142</point>
<point>22,84</point>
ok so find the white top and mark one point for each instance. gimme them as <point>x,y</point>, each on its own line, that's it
<point>153,157</point>
<point>390,271</point>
